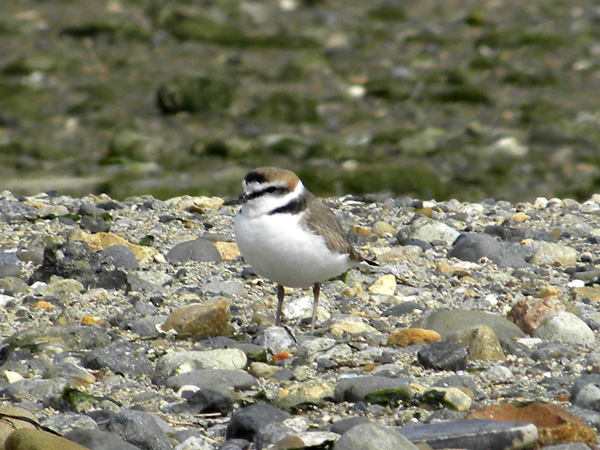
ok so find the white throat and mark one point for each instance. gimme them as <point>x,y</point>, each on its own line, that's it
<point>266,203</point>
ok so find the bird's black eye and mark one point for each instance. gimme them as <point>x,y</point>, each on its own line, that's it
<point>271,189</point>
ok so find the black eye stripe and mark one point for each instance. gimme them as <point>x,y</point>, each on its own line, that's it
<point>268,190</point>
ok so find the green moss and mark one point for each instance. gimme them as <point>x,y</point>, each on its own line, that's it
<point>461,94</point>
<point>476,17</point>
<point>526,36</point>
<point>484,61</point>
<point>195,94</point>
<point>188,23</point>
<point>543,111</point>
<point>389,89</point>
<point>388,11</point>
<point>531,78</point>
<point>288,107</point>
<point>392,397</point>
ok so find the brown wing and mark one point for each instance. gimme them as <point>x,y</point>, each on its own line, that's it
<point>322,221</point>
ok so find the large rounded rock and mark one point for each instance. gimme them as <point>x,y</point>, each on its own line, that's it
<point>28,439</point>
<point>567,328</point>
<point>372,436</point>
<point>245,423</point>
<point>200,250</point>
<point>200,320</point>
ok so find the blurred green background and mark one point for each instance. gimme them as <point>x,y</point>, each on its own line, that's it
<point>436,99</point>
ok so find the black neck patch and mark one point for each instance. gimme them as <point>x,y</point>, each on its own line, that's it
<point>295,206</point>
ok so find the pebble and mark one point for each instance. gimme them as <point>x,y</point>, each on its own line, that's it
<point>28,439</point>
<point>447,322</point>
<point>139,428</point>
<point>195,250</point>
<point>430,230</point>
<point>357,388</point>
<point>200,320</point>
<point>567,328</point>
<point>411,336</point>
<point>213,379</point>
<point>248,421</point>
<point>450,397</point>
<point>473,247</point>
<point>385,285</point>
<point>473,434</point>
<point>277,340</point>
<point>529,312</point>
<point>481,343</point>
<point>445,355</point>
<point>121,358</point>
<point>371,436</point>
<point>120,256</point>
<point>554,254</point>
<point>98,440</point>
<point>181,362</point>
<point>171,353</point>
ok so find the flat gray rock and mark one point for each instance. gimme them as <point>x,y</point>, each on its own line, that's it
<point>214,379</point>
<point>247,422</point>
<point>447,322</point>
<point>194,250</point>
<point>140,429</point>
<point>473,434</point>
<point>372,436</point>
<point>122,357</point>
<point>357,388</point>
<point>99,440</point>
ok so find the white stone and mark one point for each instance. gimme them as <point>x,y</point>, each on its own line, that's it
<point>566,328</point>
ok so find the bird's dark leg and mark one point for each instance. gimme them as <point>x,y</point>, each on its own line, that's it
<point>280,295</point>
<point>316,290</point>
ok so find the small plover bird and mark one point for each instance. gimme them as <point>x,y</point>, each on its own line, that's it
<point>288,236</point>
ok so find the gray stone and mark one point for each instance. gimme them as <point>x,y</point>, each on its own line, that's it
<point>276,340</point>
<point>121,357</point>
<point>271,433</point>
<point>460,380</point>
<point>372,436</point>
<point>186,361</point>
<point>445,355</point>
<point>76,260</point>
<point>554,255</point>
<point>214,379</point>
<point>136,283</point>
<point>40,390</point>
<point>194,250</point>
<point>120,256</point>
<point>69,337</point>
<point>429,230</point>
<point>206,400</point>
<point>355,389</point>
<point>247,422</point>
<point>575,225</point>
<point>94,439</point>
<point>95,224</point>
<point>235,444</point>
<point>228,288</point>
<point>342,426</point>
<point>473,434</point>
<point>447,322</point>
<point>473,246</point>
<point>140,429</point>
<point>565,327</point>
<point>13,211</point>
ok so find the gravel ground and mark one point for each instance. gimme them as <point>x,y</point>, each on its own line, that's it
<point>473,306</point>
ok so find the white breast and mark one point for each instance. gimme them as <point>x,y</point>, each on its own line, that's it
<point>280,249</point>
